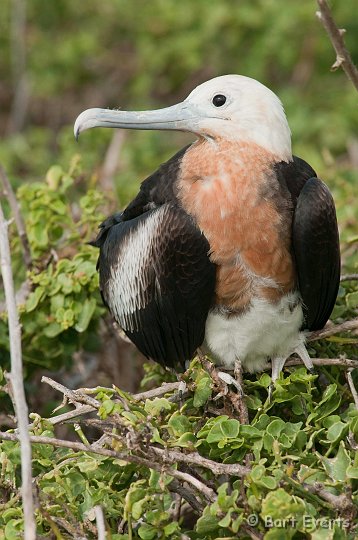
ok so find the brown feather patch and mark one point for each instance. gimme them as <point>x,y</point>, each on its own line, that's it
<point>230,189</point>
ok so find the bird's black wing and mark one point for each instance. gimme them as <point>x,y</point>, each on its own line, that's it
<point>315,239</point>
<point>316,248</point>
<point>157,280</point>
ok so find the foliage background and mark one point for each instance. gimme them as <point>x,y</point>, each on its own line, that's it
<point>69,56</point>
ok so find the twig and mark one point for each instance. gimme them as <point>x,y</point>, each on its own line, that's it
<point>343,362</point>
<point>349,277</point>
<point>79,411</point>
<point>333,329</point>
<point>156,392</point>
<point>172,456</point>
<point>188,495</point>
<point>340,502</point>
<point>101,527</point>
<point>16,380</point>
<point>72,395</point>
<point>14,205</point>
<point>352,387</point>
<point>343,58</point>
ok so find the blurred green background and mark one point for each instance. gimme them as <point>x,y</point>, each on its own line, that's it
<point>60,57</point>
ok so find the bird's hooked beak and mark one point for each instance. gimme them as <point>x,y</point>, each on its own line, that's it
<point>180,117</point>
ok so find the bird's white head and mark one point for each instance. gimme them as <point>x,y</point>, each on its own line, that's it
<point>231,107</point>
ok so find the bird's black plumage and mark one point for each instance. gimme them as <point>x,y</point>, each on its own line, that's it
<point>315,240</point>
<point>316,248</point>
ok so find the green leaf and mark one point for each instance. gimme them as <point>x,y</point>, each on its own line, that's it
<point>223,429</point>
<point>337,467</point>
<point>352,300</point>
<point>187,440</point>
<point>171,528</point>
<point>155,406</point>
<point>39,234</point>
<point>275,427</point>
<point>13,529</point>
<point>207,524</point>
<point>180,424</point>
<point>337,431</point>
<point>202,391</point>
<point>35,298</point>
<point>147,531</point>
<point>88,308</point>
<point>53,176</point>
<point>52,330</point>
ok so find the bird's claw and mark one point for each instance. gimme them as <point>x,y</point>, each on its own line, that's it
<point>228,379</point>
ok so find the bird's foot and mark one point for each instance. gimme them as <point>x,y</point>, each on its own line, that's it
<point>301,351</point>
<point>229,379</point>
<point>276,366</point>
<point>279,362</point>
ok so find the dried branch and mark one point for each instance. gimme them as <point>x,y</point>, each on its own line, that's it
<point>16,381</point>
<point>343,58</point>
<point>177,487</point>
<point>332,329</point>
<point>101,527</point>
<point>342,502</point>
<point>14,205</point>
<point>352,387</point>
<point>172,456</point>
<point>349,277</point>
<point>156,392</point>
<point>72,395</point>
<point>343,362</point>
<point>62,418</point>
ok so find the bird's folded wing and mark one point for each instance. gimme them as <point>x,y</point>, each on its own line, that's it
<point>158,282</point>
<point>316,249</point>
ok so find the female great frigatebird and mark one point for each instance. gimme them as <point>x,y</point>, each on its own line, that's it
<point>232,244</point>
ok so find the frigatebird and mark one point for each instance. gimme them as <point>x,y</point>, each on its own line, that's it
<point>232,245</point>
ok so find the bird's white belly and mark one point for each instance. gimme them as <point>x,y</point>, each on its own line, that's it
<point>262,332</point>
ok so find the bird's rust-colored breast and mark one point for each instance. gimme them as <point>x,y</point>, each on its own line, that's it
<point>233,194</point>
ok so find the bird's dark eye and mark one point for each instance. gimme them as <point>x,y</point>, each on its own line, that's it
<point>219,100</point>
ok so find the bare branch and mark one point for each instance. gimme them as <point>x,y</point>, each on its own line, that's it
<point>72,395</point>
<point>343,58</point>
<point>332,329</point>
<point>340,502</point>
<point>16,380</point>
<point>343,362</point>
<point>352,387</point>
<point>156,392</point>
<point>188,495</point>
<point>79,411</point>
<point>101,527</point>
<point>172,456</point>
<point>14,205</point>
<point>349,277</point>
